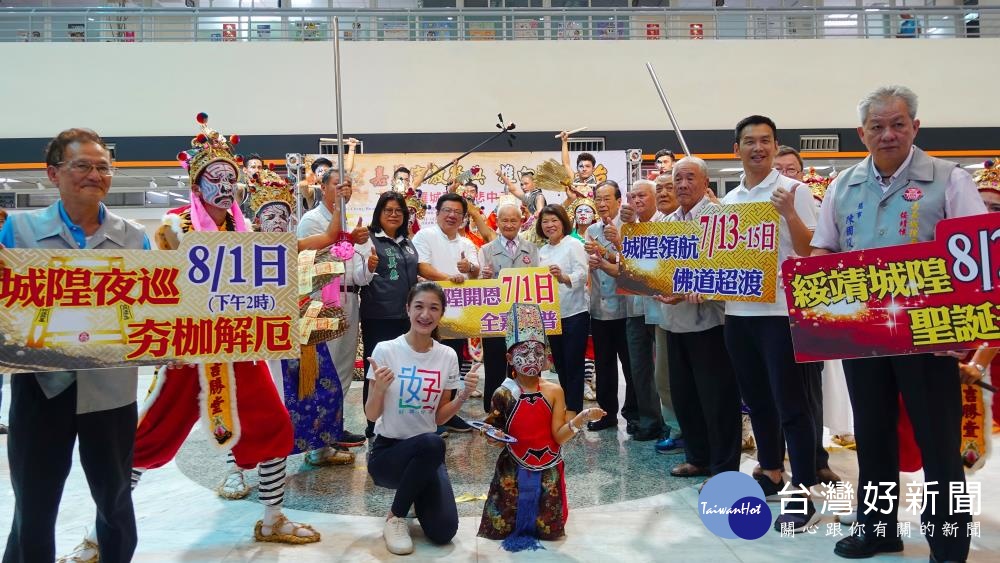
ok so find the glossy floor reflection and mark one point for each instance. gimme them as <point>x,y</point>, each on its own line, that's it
<point>624,507</point>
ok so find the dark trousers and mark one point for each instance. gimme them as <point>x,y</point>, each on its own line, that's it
<point>374,331</point>
<point>568,349</point>
<point>495,367</point>
<point>641,342</point>
<point>40,452</point>
<point>415,468</point>
<point>611,347</point>
<point>932,395</point>
<point>706,399</point>
<point>812,375</point>
<point>772,385</point>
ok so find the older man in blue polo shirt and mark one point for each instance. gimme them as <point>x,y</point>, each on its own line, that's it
<point>50,411</point>
<point>897,180</point>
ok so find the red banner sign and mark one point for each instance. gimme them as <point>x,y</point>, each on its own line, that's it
<point>908,299</point>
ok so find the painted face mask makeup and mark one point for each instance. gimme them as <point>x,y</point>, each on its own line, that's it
<point>217,184</point>
<point>528,358</point>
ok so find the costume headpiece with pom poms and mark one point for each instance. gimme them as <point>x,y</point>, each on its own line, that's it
<point>265,188</point>
<point>988,179</point>
<point>817,183</point>
<point>207,147</point>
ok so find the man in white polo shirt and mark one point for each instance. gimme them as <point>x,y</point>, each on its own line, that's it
<point>757,334</point>
<point>445,255</point>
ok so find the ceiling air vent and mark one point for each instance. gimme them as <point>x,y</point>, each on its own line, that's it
<point>819,143</point>
<point>586,144</point>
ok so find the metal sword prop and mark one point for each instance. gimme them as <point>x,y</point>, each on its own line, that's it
<point>666,106</point>
<point>504,130</point>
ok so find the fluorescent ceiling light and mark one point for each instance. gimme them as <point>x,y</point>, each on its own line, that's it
<point>182,200</point>
<point>9,180</point>
<point>175,194</point>
<point>730,170</point>
<point>819,167</point>
<point>974,166</point>
<point>161,194</point>
<point>178,177</point>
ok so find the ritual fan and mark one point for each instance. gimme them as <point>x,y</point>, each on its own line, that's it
<point>552,176</point>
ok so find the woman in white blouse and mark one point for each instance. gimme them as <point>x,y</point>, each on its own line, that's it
<point>567,262</point>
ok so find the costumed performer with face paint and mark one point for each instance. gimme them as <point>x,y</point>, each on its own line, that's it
<point>527,498</point>
<point>309,385</point>
<point>253,423</point>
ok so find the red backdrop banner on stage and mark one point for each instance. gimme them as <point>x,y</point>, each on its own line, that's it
<point>913,298</point>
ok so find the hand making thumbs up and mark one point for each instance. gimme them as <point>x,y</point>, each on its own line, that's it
<point>360,233</point>
<point>372,260</point>
<point>464,265</point>
<point>784,201</point>
<point>383,376</point>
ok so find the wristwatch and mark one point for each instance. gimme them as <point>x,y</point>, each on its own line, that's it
<point>980,367</point>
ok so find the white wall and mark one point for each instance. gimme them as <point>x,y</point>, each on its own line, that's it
<point>151,89</point>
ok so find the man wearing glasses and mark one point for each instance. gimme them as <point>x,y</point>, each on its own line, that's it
<point>445,255</point>
<point>50,411</point>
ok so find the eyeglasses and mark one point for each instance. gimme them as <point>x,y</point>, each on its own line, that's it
<point>83,167</point>
<point>390,211</point>
<point>448,211</point>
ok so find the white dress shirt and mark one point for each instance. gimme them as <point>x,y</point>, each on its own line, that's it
<point>570,256</point>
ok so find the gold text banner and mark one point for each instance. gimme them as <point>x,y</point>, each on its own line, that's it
<point>479,307</point>
<point>729,254</point>
<point>220,297</point>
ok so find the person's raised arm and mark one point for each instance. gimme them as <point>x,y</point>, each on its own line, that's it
<point>485,230</point>
<point>564,136</point>
<point>352,145</point>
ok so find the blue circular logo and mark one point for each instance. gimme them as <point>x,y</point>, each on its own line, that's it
<point>732,505</point>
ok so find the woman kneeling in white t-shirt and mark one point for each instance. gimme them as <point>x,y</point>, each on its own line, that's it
<point>408,400</point>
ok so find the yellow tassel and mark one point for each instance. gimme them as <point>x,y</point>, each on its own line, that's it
<point>308,371</point>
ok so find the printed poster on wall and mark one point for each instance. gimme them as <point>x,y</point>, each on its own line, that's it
<point>728,254</point>
<point>908,299</point>
<point>372,175</point>
<point>221,297</point>
<point>479,307</point>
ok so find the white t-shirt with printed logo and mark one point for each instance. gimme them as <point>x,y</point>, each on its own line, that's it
<point>411,401</point>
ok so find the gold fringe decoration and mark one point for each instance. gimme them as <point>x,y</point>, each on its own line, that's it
<point>308,371</point>
<point>551,175</point>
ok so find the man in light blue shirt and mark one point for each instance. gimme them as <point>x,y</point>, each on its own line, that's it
<point>50,411</point>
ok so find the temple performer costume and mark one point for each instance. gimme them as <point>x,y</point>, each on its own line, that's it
<point>534,461</point>
<point>315,406</point>
<point>250,420</point>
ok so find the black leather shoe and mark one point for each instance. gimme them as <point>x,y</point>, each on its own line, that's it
<point>602,424</point>
<point>631,427</point>
<point>647,436</point>
<point>863,547</point>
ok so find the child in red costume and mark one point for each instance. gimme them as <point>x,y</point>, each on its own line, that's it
<point>527,498</point>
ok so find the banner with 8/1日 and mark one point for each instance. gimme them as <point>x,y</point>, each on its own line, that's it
<point>913,298</point>
<point>220,297</point>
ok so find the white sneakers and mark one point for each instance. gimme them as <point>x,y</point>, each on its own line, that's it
<point>397,536</point>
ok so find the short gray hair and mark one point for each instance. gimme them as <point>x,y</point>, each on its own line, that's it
<point>692,160</point>
<point>643,182</point>
<point>664,178</point>
<point>507,204</point>
<point>885,93</point>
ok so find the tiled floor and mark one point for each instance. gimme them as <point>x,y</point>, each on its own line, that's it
<point>624,507</point>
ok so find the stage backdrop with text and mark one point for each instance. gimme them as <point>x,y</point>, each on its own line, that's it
<point>479,307</point>
<point>913,298</point>
<point>728,254</point>
<point>372,175</point>
<point>221,297</point>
